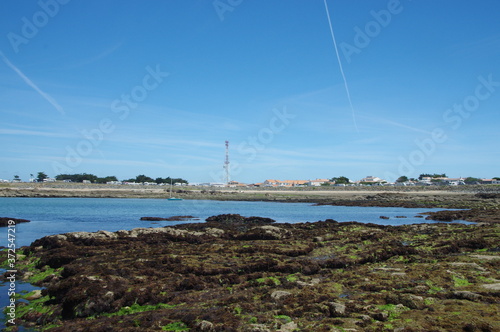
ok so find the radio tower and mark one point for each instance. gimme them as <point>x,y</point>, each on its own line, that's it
<point>226,164</point>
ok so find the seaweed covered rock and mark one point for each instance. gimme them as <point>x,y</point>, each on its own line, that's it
<point>226,276</point>
<point>236,218</point>
<point>173,218</point>
<point>266,232</point>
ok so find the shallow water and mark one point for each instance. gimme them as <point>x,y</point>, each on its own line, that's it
<point>62,215</point>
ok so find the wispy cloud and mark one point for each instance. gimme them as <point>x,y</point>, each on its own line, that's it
<point>110,50</point>
<point>393,123</point>
<point>30,133</point>
<point>46,96</point>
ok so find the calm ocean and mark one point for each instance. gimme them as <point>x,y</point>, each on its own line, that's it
<point>61,215</point>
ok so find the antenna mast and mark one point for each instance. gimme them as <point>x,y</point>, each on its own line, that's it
<point>226,164</point>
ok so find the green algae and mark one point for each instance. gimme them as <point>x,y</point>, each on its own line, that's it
<point>136,308</point>
<point>177,326</point>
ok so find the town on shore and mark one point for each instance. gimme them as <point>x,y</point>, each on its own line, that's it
<point>342,181</point>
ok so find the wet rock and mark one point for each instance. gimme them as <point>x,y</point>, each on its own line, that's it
<point>257,328</point>
<point>215,232</point>
<point>398,274</point>
<point>365,319</point>
<point>205,326</point>
<point>265,233</point>
<point>226,218</point>
<point>466,295</point>
<point>380,316</point>
<point>279,295</point>
<point>387,269</point>
<point>36,294</point>
<point>4,222</point>
<point>106,234</point>
<point>313,282</point>
<point>384,217</point>
<point>236,218</point>
<point>495,287</point>
<point>174,218</point>
<point>288,327</point>
<point>485,257</point>
<point>411,301</point>
<point>336,309</point>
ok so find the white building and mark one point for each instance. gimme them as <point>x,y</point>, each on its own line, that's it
<point>371,179</point>
<point>317,182</point>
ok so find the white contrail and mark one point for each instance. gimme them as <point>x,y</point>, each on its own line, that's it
<point>47,97</point>
<point>340,66</point>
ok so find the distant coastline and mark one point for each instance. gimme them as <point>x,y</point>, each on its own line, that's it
<point>459,197</point>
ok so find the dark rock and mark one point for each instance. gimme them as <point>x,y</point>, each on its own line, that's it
<point>383,217</point>
<point>408,300</point>
<point>236,218</point>
<point>5,221</point>
<point>380,316</point>
<point>174,218</point>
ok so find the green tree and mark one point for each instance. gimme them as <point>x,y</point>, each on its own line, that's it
<point>143,178</point>
<point>41,176</point>
<point>163,180</point>
<point>340,180</point>
<point>169,180</point>
<point>106,179</point>
<point>402,179</point>
<point>471,180</point>
<point>496,178</point>
<point>432,176</point>
<point>77,177</point>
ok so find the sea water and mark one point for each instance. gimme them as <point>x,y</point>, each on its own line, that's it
<point>62,215</point>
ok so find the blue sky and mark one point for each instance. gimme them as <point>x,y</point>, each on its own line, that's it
<point>156,87</point>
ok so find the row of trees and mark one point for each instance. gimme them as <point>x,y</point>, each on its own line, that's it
<point>143,178</point>
<point>95,179</point>
<point>85,177</point>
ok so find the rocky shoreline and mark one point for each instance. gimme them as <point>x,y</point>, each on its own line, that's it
<point>248,274</point>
